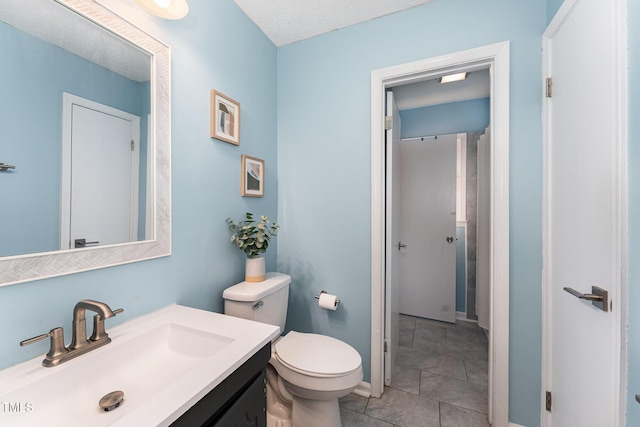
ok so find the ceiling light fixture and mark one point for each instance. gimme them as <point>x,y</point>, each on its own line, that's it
<point>453,77</point>
<point>168,9</point>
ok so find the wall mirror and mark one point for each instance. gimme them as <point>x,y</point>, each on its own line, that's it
<point>85,121</point>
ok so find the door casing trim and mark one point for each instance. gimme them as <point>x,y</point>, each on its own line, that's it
<point>495,57</point>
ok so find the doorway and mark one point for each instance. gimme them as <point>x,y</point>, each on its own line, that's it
<point>496,58</point>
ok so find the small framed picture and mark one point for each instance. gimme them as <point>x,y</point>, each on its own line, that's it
<point>252,176</point>
<point>225,118</point>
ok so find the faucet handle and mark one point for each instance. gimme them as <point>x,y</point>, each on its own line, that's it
<point>98,327</point>
<point>32,340</point>
<point>56,348</point>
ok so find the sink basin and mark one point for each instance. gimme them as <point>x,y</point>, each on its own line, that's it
<point>163,362</point>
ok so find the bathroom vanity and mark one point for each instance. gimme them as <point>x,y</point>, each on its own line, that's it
<point>240,399</point>
<point>177,366</point>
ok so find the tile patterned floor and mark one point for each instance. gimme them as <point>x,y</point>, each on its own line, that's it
<point>439,380</point>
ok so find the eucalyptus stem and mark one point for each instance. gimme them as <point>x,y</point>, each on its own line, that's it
<point>251,236</point>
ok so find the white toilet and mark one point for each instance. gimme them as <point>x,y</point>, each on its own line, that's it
<point>307,373</point>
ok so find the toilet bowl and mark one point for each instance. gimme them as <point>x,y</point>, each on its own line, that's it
<point>316,371</point>
<point>307,373</point>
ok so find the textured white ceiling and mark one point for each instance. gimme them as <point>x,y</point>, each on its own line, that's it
<point>288,21</point>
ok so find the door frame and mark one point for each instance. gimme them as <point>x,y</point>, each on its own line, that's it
<point>495,57</point>
<point>619,285</point>
<point>392,233</point>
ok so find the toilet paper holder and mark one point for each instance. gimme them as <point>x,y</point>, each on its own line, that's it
<point>324,292</point>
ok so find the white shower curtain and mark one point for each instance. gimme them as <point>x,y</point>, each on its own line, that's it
<point>483,231</point>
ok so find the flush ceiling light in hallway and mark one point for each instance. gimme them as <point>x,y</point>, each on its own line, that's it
<point>168,9</point>
<point>453,77</point>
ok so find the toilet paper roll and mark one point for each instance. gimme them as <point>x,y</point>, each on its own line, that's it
<point>328,301</point>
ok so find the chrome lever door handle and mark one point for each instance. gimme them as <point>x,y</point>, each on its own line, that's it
<point>401,245</point>
<point>589,297</point>
<point>82,243</point>
<point>599,297</point>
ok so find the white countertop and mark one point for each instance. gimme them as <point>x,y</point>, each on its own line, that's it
<point>68,394</point>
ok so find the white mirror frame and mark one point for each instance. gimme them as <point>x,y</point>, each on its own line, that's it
<point>23,268</point>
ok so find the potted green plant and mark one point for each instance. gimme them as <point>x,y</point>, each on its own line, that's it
<point>252,237</point>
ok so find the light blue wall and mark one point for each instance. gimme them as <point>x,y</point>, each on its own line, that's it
<point>461,269</point>
<point>552,8</point>
<point>324,167</point>
<point>215,46</point>
<point>445,119</point>
<point>633,408</point>
<point>31,131</point>
<point>145,108</point>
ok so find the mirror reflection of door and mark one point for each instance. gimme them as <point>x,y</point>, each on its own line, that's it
<point>101,145</point>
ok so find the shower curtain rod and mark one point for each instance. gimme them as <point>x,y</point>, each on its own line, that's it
<point>421,138</point>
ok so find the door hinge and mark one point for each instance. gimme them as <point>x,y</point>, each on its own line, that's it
<point>388,122</point>
<point>386,346</point>
<point>549,87</point>
<point>133,145</point>
<point>548,401</point>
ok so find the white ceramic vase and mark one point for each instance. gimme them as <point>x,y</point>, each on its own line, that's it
<point>255,269</point>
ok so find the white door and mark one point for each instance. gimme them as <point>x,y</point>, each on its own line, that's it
<point>393,244</point>
<point>428,227</point>
<point>582,230</point>
<point>103,199</point>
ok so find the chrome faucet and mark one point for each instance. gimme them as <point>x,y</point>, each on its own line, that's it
<point>80,344</point>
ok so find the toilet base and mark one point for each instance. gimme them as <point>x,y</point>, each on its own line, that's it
<point>315,413</point>
<point>307,413</point>
<point>274,421</point>
<point>285,409</point>
<point>278,401</point>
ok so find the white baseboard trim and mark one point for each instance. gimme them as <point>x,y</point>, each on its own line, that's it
<point>363,389</point>
<point>462,316</point>
<point>515,425</point>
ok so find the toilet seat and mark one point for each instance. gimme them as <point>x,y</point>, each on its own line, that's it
<point>317,355</point>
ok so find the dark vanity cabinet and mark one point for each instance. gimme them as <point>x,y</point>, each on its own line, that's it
<point>238,401</point>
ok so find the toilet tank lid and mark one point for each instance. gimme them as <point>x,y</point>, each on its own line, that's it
<point>255,291</point>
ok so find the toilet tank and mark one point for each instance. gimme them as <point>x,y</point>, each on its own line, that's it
<point>264,301</point>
